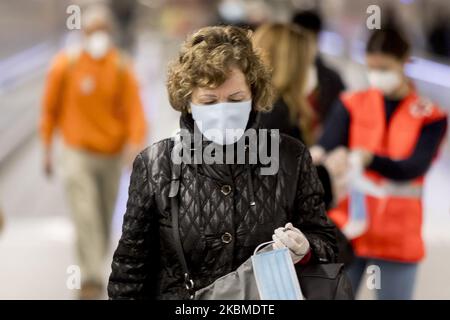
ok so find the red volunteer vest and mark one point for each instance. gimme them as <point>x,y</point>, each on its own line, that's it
<point>394,222</point>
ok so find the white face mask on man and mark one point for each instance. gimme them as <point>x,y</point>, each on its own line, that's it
<point>97,44</point>
<point>223,123</point>
<point>384,80</point>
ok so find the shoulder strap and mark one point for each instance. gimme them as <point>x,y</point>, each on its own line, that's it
<point>174,190</point>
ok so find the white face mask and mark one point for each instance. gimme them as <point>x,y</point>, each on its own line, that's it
<point>232,11</point>
<point>311,80</point>
<point>222,123</point>
<point>386,81</point>
<point>98,44</point>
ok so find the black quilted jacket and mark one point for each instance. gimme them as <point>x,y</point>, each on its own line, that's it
<point>213,200</point>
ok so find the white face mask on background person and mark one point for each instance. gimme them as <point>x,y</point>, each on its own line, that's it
<point>98,44</point>
<point>223,123</point>
<point>312,80</point>
<point>386,81</point>
<point>232,10</point>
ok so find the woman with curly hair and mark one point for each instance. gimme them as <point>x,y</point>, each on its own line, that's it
<point>225,210</point>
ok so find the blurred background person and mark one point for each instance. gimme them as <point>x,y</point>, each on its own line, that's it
<point>393,134</point>
<point>439,35</point>
<point>232,12</point>
<point>289,51</point>
<point>92,98</point>
<point>325,83</point>
<point>246,14</point>
<point>125,15</point>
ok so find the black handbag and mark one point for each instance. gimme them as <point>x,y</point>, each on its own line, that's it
<point>324,282</point>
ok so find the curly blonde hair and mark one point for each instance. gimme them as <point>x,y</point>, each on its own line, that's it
<point>205,61</point>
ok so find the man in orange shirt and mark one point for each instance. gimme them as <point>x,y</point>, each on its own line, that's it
<point>92,97</point>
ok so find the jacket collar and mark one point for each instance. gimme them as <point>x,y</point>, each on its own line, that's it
<point>221,172</point>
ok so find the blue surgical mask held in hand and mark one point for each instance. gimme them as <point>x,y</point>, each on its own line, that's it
<point>223,123</point>
<point>275,275</point>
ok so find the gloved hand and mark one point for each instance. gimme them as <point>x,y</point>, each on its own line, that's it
<point>317,154</point>
<point>293,239</point>
<point>360,158</point>
<point>336,161</point>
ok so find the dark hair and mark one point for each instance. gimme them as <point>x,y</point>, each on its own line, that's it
<point>309,20</point>
<point>388,41</point>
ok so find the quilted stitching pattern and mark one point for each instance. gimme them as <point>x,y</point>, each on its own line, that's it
<point>145,264</point>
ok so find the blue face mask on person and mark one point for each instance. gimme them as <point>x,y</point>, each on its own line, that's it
<point>275,275</point>
<point>223,123</point>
